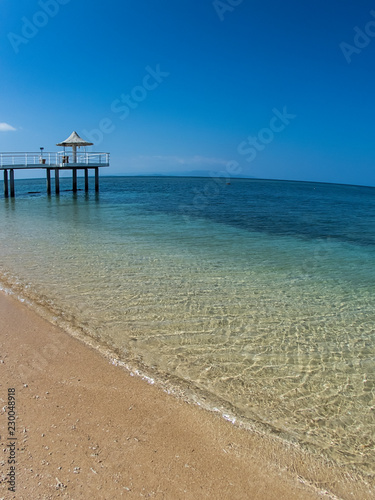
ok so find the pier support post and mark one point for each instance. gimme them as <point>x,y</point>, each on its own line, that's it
<point>86,179</point>
<point>48,172</point>
<point>57,181</point>
<point>96,179</point>
<point>11,178</point>
<point>6,189</point>
<point>74,180</point>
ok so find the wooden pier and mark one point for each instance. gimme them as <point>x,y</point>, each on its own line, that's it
<point>56,162</point>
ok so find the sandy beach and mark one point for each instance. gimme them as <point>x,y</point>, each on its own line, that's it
<point>88,429</point>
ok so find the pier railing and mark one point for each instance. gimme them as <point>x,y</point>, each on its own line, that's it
<point>60,159</point>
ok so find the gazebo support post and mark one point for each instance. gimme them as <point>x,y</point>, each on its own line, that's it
<point>11,178</point>
<point>48,173</point>
<point>74,180</point>
<point>86,179</point>
<point>96,179</point>
<point>57,181</point>
<point>6,189</point>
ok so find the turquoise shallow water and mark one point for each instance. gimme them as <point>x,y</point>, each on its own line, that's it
<point>258,295</point>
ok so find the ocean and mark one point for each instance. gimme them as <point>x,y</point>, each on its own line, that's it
<point>255,298</point>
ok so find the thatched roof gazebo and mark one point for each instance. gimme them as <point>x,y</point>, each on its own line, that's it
<point>74,141</point>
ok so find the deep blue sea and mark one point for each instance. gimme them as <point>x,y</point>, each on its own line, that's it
<point>255,296</point>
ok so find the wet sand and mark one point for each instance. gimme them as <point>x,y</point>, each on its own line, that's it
<point>88,429</point>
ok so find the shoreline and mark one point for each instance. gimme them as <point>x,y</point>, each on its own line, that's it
<point>86,426</point>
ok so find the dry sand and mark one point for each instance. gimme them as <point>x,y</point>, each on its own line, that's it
<point>88,429</point>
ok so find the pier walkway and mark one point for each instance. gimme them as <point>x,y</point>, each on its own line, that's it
<point>9,162</point>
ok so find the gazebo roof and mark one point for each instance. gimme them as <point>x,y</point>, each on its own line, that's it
<point>74,140</point>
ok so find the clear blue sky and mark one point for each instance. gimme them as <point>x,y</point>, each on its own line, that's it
<point>219,75</point>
